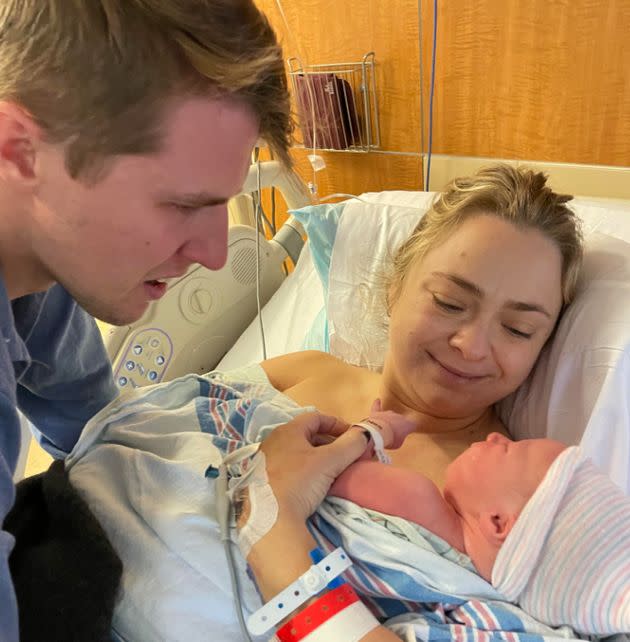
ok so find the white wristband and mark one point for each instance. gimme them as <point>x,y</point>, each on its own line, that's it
<point>349,625</point>
<point>292,597</point>
<point>377,438</point>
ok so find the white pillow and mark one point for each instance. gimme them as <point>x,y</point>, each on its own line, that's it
<point>579,391</point>
<point>369,232</point>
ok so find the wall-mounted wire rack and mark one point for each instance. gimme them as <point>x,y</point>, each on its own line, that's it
<point>337,104</point>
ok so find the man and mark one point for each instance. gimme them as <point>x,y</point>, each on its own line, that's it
<point>125,127</point>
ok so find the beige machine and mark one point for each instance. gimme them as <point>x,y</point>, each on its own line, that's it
<point>204,312</point>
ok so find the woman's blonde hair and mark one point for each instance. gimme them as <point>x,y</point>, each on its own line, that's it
<point>515,194</point>
<point>98,74</point>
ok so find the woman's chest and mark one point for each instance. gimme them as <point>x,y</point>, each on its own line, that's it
<point>338,395</point>
<point>428,454</point>
<point>349,394</point>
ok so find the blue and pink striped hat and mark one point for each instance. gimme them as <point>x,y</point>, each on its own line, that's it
<point>566,561</point>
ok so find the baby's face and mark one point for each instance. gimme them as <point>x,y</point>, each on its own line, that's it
<point>499,468</point>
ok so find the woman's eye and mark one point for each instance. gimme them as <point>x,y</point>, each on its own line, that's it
<point>518,333</point>
<point>447,307</point>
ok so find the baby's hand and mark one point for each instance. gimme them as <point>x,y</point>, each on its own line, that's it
<point>394,426</point>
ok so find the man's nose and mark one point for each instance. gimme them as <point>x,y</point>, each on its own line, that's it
<point>208,242</point>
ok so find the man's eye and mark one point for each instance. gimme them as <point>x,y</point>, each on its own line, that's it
<point>518,333</point>
<point>185,209</point>
<point>444,305</point>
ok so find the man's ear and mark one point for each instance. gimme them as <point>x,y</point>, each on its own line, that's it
<point>18,141</point>
<point>496,525</point>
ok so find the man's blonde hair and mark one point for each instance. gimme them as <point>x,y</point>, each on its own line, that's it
<point>98,74</point>
<point>514,194</point>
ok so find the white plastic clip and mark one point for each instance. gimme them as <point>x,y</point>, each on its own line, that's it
<point>292,597</point>
<point>317,162</point>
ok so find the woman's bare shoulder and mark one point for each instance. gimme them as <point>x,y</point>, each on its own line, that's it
<point>288,370</point>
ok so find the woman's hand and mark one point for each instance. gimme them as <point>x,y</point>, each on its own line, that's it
<point>301,466</point>
<point>300,470</point>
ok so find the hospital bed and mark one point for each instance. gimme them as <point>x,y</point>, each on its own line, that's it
<point>579,391</point>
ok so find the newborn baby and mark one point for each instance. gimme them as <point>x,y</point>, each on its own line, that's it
<point>486,488</point>
<point>567,560</point>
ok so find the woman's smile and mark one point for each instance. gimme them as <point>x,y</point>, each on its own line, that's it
<point>453,375</point>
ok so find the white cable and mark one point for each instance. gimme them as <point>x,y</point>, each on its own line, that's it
<point>258,216</point>
<point>284,18</point>
<point>224,511</point>
<point>421,60</point>
<point>224,514</point>
<point>427,182</point>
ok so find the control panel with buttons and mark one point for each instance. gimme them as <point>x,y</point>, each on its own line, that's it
<point>148,352</point>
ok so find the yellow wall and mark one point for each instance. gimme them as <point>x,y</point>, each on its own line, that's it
<point>537,79</point>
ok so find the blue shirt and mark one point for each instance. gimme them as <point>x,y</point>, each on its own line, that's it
<point>54,368</point>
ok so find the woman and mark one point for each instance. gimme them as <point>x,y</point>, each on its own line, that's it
<point>475,294</point>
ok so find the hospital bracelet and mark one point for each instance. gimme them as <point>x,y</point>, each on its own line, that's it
<point>337,616</point>
<point>315,614</point>
<point>379,445</point>
<point>306,586</point>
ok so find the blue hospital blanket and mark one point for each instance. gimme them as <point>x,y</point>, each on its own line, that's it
<point>141,465</point>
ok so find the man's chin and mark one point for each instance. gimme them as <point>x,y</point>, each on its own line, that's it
<point>117,319</point>
<point>113,315</point>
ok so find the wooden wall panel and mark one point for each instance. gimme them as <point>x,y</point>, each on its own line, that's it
<point>362,172</point>
<point>538,80</point>
<point>542,80</point>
